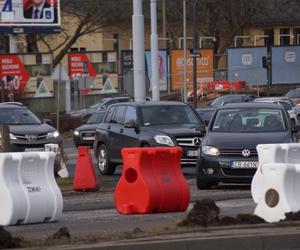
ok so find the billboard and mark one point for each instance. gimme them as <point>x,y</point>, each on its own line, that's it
<point>29,16</point>
<point>245,64</point>
<point>204,68</point>
<point>99,69</point>
<point>28,74</point>
<point>286,65</point>
<point>127,68</point>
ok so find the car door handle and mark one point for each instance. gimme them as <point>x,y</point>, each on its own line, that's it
<point>121,131</point>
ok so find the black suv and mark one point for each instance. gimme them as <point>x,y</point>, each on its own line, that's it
<point>149,124</point>
<point>27,132</point>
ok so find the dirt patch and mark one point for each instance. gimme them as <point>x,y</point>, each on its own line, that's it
<point>207,213</point>
<point>292,216</point>
<point>7,241</point>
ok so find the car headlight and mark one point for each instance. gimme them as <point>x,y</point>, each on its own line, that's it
<point>164,139</point>
<point>13,137</point>
<point>76,133</point>
<point>209,150</point>
<point>53,134</point>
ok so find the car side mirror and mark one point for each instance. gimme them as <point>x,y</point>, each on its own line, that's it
<point>47,121</point>
<point>201,129</point>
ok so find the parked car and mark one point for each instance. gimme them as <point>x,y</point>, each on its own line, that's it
<point>27,132</point>
<point>287,105</point>
<point>228,151</point>
<point>105,102</point>
<point>294,94</point>
<point>150,124</point>
<point>207,112</point>
<point>85,134</point>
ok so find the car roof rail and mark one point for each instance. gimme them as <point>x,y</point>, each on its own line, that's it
<point>12,103</point>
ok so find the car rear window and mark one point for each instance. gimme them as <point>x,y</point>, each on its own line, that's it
<point>249,120</point>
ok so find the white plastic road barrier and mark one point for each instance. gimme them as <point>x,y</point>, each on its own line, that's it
<point>28,190</point>
<point>276,183</point>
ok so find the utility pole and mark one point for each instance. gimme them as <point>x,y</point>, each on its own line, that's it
<point>138,51</point>
<point>184,53</point>
<point>267,64</point>
<point>164,22</point>
<point>154,53</point>
<point>195,53</point>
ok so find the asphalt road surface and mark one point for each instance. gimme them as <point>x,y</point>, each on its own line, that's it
<point>94,213</point>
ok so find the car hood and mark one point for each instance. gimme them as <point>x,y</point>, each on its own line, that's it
<point>87,127</point>
<point>31,129</point>
<point>244,140</point>
<point>176,130</point>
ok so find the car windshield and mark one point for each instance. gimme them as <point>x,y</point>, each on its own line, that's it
<point>17,116</point>
<point>226,99</point>
<point>95,118</point>
<point>293,93</point>
<point>161,115</point>
<point>249,120</point>
<point>96,105</point>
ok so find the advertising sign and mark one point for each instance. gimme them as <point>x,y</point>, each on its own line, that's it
<point>204,68</point>
<point>29,16</point>
<point>100,68</point>
<point>245,64</point>
<point>127,69</point>
<point>286,65</point>
<point>162,68</point>
<point>28,75</point>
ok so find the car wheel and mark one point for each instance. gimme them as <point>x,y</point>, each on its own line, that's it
<point>103,161</point>
<point>293,123</point>
<point>145,145</point>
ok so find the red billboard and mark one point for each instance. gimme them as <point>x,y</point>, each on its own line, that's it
<point>29,16</point>
<point>28,75</point>
<point>100,69</point>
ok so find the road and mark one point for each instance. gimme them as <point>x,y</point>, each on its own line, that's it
<point>94,213</point>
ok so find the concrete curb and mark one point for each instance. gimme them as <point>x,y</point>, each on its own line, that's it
<point>263,237</point>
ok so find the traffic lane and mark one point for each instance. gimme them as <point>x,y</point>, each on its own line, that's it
<point>109,221</point>
<point>104,198</point>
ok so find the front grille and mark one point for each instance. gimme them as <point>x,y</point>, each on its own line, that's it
<point>31,137</point>
<point>238,172</point>
<point>236,152</point>
<point>185,161</point>
<point>189,141</point>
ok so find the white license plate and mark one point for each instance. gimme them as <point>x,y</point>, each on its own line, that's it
<point>244,164</point>
<point>192,153</point>
<point>34,149</point>
<point>88,138</point>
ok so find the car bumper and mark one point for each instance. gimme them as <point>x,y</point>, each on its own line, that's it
<point>79,142</point>
<point>218,169</point>
<point>21,146</point>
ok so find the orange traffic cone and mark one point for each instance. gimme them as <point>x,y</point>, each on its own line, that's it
<point>85,178</point>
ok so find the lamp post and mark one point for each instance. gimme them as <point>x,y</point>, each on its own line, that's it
<point>194,52</point>
<point>184,53</point>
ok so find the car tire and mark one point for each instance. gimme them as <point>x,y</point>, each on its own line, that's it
<point>293,123</point>
<point>103,161</point>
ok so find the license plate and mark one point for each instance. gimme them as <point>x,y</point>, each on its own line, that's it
<point>34,149</point>
<point>244,164</point>
<point>192,153</point>
<point>88,138</point>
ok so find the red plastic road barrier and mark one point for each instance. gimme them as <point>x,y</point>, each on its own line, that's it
<point>152,181</point>
<point>85,178</point>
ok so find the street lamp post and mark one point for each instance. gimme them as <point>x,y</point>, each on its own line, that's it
<point>184,55</point>
<point>194,52</point>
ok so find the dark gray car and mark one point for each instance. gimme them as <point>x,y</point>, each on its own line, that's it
<point>228,151</point>
<point>27,132</point>
<point>149,124</point>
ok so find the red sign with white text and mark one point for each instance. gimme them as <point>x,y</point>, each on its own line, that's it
<point>77,61</point>
<point>13,72</point>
